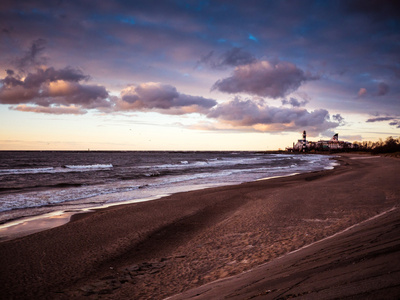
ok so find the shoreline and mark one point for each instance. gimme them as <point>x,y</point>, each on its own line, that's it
<point>168,246</point>
<point>24,226</point>
<point>27,225</point>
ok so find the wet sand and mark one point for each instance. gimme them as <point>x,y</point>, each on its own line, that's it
<point>165,247</point>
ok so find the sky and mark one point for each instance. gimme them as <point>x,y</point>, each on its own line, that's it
<point>197,75</point>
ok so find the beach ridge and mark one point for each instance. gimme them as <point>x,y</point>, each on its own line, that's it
<point>250,284</point>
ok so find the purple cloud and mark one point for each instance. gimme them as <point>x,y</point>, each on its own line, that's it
<point>394,120</point>
<point>162,98</point>
<point>380,119</point>
<point>294,102</point>
<point>231,58</point>
<point>338,118</point>
<point>261,117</point>
<point>265,79</point>
<point>49,87</point>
<point>166,41</point>
<point>395,123</point>
<point>31,57</point>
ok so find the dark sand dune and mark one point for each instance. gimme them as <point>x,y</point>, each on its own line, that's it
<point>165,247</point>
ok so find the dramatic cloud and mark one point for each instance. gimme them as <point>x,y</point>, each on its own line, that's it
<point>232,58</point>
<point>268,49</point>
<point>162,98</point>
<point>261,117</point>
<point>265,79</point>
<point>52,88</point>
<point>294,102</point>
<point>61,92</point>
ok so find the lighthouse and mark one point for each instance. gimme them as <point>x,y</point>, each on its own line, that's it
<point>304,141</point>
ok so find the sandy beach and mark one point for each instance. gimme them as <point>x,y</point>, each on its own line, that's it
<point>239,236</point>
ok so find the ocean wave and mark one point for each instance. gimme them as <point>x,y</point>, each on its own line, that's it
<point>90,167</point>
<point>26,171</point>
<point>139,175</point>
<point>213,162</point>
<point>64,169</point>
<point>52,198</point>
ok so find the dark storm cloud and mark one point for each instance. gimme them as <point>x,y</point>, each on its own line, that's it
<point>265,79</point>
<point>261,117</point>
<point>162,98</point>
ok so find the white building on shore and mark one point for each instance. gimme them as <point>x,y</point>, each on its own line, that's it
<point>334,143</point>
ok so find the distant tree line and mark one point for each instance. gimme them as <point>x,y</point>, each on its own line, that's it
<point>390,145</point>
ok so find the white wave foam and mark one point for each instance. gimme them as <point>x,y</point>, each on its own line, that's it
<point>213,162</point>
<point>26,171</point>
<point>66,168</point>
<point>95,166</point>
<point>208,171</point>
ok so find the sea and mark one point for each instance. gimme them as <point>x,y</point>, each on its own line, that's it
<point>35,183</point>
